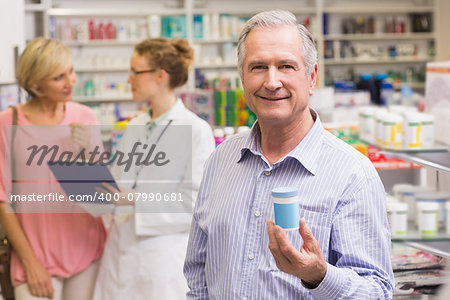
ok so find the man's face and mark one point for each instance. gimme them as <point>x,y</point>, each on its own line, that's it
<point>276,87</point>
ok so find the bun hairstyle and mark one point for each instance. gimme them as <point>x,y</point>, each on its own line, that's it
<point>174,56</point>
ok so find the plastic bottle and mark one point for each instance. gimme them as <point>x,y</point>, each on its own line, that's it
<point>228,131</point>
<point>285,201</point>
<point>52,28</point>
<point>367,124</point>
<point>387,94</point>
<point>428,213</point>
<point>89,90</point>
<point>427,137</point>
<point>225,26</point>
<point>84,37</point>
<point>438,198</point>
<point>206,26</point>
<point>398,217</point>
<point>392,131</point>
<point>219,136</point>
<point>243,129</point>
<point>91,29</point>
<point>142,29</point>
<point>122,32</point>
<point>110,31</point>
<point>132,30</point>
<point>101,31</point>
<point>407,95</point>
<point>412,130</point>
<point>379,116</point>
<point>198,27</point>
<point>215,26</point>
<point>366,83</point>
<point>377,83</point>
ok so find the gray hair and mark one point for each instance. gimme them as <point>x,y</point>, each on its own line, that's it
<point>274,18</point>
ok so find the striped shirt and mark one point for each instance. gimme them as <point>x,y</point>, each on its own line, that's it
<point>341,198</point>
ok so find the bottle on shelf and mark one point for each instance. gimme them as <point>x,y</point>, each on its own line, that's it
<point>110,31</point>
<point>91,28</point>
<point>101,30</point>
<point>122,31</point>
<point>219,136</point>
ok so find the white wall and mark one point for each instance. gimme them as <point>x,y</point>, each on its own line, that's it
<point>12,33</point>
<point>442,30</point>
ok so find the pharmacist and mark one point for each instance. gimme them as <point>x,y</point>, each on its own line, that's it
<point>342,251</point>
<point>146,247</point>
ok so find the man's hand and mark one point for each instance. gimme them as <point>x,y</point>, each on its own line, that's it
<point>307,264</point>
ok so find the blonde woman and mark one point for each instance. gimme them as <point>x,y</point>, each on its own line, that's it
<point>55,255</point>
<point>145,251</point>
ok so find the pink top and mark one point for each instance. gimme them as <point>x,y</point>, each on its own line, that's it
<point>65,243</point>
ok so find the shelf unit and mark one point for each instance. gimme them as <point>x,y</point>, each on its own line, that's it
<point>372,31</point>
<point>439,161</point>
<point>436,160</point>
<point>314,10</point>
<point>98,99</point>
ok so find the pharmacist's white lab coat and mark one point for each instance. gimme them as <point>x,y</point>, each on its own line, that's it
<point>144,252</point>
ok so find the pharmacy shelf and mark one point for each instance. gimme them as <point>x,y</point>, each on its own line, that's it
<point>379,36</point>
<point>436,160</point>
<point>102,69</point>
<point>372,9</point>
<point>113,12</point>
<point>414,85</point>
<point>33,7</point>
<point>216,66</point>
<point>95,43</point>
<point>242,11</point>
<point>437,247</point>
<point>344,61</point>
<point>395,165</point>
<point>97,99</point>
<point>214,41</point>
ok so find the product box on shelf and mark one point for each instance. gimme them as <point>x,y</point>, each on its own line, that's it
<point>437,94</point>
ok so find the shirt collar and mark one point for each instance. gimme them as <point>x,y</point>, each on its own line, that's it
<point>163,119</point>
<point>306,152</point>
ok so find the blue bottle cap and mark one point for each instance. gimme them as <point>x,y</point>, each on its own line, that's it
<point>285,192</point>
<point>381,76</point>
<point>366,76</point>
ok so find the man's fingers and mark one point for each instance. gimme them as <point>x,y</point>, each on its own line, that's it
<point>306,233</point>
<point>286,248</point>
<point>273,245</point>
<point>280,260</point>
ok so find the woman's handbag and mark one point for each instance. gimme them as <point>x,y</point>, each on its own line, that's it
<point>5,247</point>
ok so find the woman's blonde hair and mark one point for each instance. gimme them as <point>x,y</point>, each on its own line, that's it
<point>42,59</point>
<point>173,56</point>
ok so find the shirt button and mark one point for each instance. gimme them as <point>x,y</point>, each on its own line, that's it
<point>251,256</point>
<point>257,213</point>
<point>267,173</point>
<point>244,298</point>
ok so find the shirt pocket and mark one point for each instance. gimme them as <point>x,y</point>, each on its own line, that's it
<point>319,220</point>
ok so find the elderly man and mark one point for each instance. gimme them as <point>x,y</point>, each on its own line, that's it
<point>235,251</point>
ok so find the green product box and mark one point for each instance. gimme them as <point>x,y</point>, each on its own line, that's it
<point>220,99</point>
<point>219,117</point>
<point>232,99</point>
<point>232,117</point>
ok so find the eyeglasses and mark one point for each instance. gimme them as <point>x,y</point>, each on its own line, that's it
<point>133,73</point>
